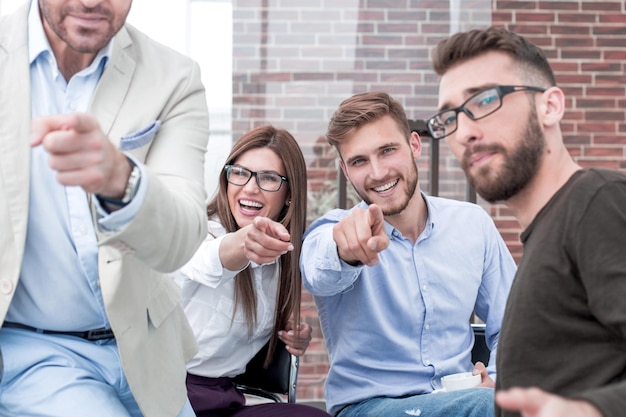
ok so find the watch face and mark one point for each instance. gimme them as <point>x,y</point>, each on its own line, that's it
<point>132,185</point>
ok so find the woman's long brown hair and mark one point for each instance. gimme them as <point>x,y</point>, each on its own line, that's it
<point>292,216</point>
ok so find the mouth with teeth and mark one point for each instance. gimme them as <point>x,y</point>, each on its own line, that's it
<point>386,187</point>
<point>250,207</point>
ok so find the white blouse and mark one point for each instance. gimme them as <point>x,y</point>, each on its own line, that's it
<point>208,294</point>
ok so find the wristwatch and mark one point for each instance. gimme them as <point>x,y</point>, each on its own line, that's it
<point>131,187</point>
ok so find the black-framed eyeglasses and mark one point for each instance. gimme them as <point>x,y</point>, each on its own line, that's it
<point>478,106</point>
<point>266,180</point>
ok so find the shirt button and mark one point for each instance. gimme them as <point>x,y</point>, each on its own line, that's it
<point>427,362</point>
<point>424,287</point>
<point>427,327</point>
<point>6,286</point>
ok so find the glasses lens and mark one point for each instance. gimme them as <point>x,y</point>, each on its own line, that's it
<point>442,124</point>
<point>483,103</point>
<point>268,181</point>
<point>435,129</point>
<point>237,175</point>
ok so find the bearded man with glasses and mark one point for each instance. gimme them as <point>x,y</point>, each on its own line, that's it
<point>564,329</point>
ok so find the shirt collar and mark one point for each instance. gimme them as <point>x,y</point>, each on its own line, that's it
<point>431,218</point>
<point>38,43</point>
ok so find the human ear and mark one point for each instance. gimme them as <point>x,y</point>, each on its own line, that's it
<point>552,106</point>
<point>416,144</point>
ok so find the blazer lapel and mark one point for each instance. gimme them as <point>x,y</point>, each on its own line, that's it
<point>114,84</point>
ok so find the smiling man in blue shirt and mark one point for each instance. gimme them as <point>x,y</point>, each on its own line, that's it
<point>396,278</point>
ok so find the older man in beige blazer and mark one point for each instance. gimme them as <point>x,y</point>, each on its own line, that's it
<point>102,148</point>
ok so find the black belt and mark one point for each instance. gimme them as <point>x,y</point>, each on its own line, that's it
<point>96,334</point>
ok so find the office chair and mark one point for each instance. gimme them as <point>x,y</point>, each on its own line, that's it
<point>279,377</point>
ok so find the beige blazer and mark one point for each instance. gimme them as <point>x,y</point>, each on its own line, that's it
<point>143,82</point>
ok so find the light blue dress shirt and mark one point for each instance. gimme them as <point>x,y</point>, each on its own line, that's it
<point>58,287</point>
<point>396,328</point>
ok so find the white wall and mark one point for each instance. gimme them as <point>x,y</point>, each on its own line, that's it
<point>8,6</point>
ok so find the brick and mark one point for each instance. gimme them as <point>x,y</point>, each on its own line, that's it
<point>602,6</point>
<point>596,152</point>
<point>576,18</point>
<point>581,54</point>
<point>614,139</point>
<point>619,19</point>
<point>536,17</point>
<point>604,30</point>
<point>516,5</point>
<point>574,42</point>
<point>602,67</point>
<point>558,5</point>
<point>606,115</point>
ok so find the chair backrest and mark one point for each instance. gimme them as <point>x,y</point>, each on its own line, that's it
<point>480,351</point>
<point>279,377</point>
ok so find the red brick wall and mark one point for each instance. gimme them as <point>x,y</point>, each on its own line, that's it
<point>296,60</point>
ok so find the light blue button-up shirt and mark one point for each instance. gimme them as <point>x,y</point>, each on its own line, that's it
<point>58,287</point>
<point>396,328</point>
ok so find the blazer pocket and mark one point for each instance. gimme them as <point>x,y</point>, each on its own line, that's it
<point>165,298</point>
<point>140,137</point>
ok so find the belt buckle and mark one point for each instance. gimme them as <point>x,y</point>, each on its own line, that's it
<point>99,334</point>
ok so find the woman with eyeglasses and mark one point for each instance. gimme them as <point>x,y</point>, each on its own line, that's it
<point>242,287</point>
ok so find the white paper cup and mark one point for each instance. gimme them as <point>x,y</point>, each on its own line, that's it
<point>463,380</point>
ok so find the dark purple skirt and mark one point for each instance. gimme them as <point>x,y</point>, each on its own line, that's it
<point>218,397</point>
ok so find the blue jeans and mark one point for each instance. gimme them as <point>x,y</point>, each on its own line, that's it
<point>473,402</point>
<point>64,376</point>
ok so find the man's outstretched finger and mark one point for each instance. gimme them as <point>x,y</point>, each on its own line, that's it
<point>79,122</point>
<point>379,240</point>
<point>376,219</point>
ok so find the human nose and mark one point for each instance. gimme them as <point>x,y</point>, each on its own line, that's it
<point>467,130</point>
<point>379,169</point>
<point>90,4</point>
<point>252,185</point>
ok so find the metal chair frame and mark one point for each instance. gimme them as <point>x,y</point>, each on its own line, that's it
<point>279,378</point>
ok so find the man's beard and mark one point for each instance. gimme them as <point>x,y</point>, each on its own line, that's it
<point>519,167</point>
<point>82,40</point>
<point>411,186</point>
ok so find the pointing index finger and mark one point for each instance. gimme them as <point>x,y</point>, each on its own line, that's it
<point>376,219</point>
<point>272,228</point>
<point>78,122</point>
<point>379,239</point>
